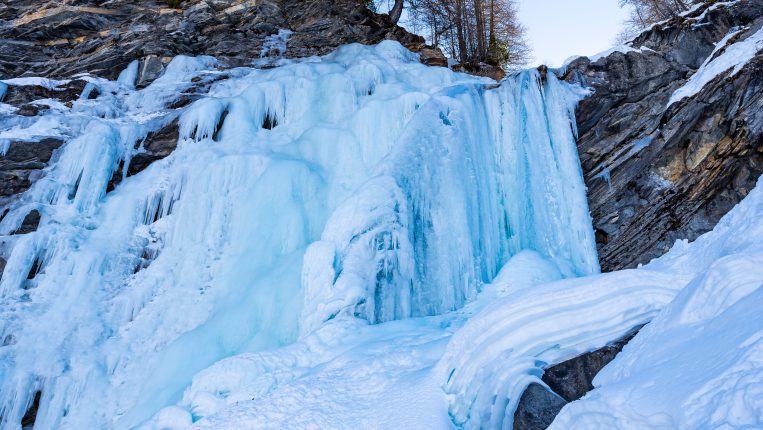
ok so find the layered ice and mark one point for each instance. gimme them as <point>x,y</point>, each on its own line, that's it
<point>357,187</point>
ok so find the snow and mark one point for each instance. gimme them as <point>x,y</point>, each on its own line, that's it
<point>730,62</point>
<point>50,84</point>
<point>699,363</point>
<point>275,45</point>
<point>351,241</point>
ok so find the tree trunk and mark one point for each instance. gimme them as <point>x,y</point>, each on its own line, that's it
<point>396,11</point>
<point>479,17</point>
<point>460,30</point>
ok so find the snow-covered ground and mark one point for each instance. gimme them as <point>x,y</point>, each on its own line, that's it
<point>401,247</point>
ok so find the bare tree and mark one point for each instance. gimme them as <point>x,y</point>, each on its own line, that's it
<point>473,31</point>
<point>647,12</point>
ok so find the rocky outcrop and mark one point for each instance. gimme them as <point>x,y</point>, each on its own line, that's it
<point>101,37</point>
<point>657,173</point>
<point>567,381</point>
<point>22,164</point>
<point>537,408</point>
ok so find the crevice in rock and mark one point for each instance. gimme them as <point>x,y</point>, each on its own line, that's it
<point>218,128</point>
<point>30,416</point>
<point>270,121</point>
<point>35,269</point>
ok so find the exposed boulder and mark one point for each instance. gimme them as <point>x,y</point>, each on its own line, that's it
<point>573,378</point>
<point>567,381</point>
<point>64,91</point>
<point>537,408</point>
<point>156,146</point>
<point>655,173</point>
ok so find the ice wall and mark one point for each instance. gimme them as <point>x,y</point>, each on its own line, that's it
<point>359,184</point>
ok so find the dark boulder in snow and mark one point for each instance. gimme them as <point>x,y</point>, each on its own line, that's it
<point>567,381</point>
<point>537,408</point>
<point>573,378</point>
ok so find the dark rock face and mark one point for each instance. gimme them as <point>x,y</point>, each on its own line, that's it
<point>19,95</point>
<point>656,174</point>
<point>537,408</point>
<point>568,381</point>
<point>22,164</point>
<point>52,39</point>
<point>156,146</point>
<point>573,378</point>
<point>27,422</point>
<point>30,223</point>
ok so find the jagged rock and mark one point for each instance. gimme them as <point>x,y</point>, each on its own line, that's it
<point>482,69</point>
<point>156,146</point>
<point>567,381</point>
<point>432,57</point>
<point>60,40</point>
<point>151,67</point>
<point>30,223</point>
<point>537,408</point>
<point>29,418</point>
<point>573,378</point>
<point>657,174</point>
<point>22,163</point>
<point>23,95</point>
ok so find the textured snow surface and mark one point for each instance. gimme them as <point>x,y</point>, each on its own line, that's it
<point>362,185</point>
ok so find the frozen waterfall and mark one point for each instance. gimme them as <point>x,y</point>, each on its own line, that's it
<point>360,185</point>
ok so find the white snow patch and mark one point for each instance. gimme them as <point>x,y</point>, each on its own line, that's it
<point>734,58</point>
<point>50,84</point>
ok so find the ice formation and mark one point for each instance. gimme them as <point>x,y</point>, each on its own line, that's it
<point>351,241</point>
<point>696,365</point>
<point>358,185</point>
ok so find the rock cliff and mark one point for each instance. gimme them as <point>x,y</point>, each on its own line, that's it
<point>657,172</point>
<point>100,37</point>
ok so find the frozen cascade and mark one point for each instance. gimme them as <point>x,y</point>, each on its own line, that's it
<point>360,184</point>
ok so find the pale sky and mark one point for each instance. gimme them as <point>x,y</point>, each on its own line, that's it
<point>559,29</point>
